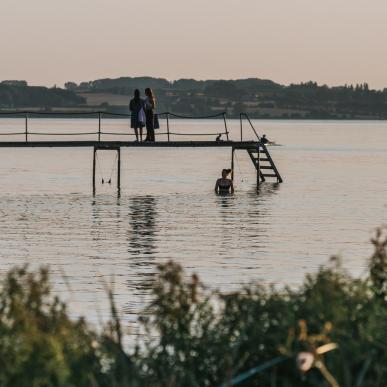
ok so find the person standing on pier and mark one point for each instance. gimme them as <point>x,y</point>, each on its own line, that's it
<point>137,118</point>
<point>150,106</point>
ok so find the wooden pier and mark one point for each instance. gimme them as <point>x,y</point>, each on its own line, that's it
<point>256,149</point>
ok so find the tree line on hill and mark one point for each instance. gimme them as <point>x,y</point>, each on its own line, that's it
<point>17,94</point>
<point>259,98</point>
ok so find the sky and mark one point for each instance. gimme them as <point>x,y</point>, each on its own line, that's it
<point>333,42</point>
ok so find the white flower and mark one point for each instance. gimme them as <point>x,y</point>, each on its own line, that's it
<point>305,361</point>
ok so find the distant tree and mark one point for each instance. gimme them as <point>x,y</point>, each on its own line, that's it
<point>239,107</point>
<point>15,83</point>
<point>85,85</point>
<point>188,84</point>
<point>41,97</point>
<point>223,89</point>
<point>70,86</point>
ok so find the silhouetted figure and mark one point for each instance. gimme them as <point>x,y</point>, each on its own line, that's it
<point>224,185</point>
<point>137,119</point>
<point>150,106</point>
<point>264,140</point>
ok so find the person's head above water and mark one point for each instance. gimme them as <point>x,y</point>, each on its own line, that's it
<point>136,94</point>
<point>225,173</point>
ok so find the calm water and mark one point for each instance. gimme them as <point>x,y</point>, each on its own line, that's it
<point>333,196</point>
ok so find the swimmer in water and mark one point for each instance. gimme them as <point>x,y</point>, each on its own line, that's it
<point>224,185</point>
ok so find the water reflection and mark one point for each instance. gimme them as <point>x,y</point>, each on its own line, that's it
<point>142,219</point>
<point>105,210</point>
<point>248,216</point>
<point>225,201</point>
<point>142,249</point>
<point>267,189</point>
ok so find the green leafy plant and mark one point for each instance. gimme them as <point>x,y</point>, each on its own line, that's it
<point>328,332</point>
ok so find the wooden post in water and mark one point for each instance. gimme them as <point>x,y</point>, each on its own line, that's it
<point>258,168</point>
<point>119,171</point>
<point>94,156</point>
<point>232,164</point>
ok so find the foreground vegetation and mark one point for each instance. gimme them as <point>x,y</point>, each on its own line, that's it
<point>198,338</point>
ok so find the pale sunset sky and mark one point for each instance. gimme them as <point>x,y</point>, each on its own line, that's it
<point>49,42</point>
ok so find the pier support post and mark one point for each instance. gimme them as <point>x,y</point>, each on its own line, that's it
<point>119,171</point>
<point>232,164</point>
<point>258,168</point>
<point>94,156</point>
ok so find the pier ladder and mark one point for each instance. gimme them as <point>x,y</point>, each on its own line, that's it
<point>260,155</point>
<point>263,163</point>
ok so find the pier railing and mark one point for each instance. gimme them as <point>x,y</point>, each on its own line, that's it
<point>28,134</point>
<point>243,116</point>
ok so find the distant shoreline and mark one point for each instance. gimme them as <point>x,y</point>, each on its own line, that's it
<point>94,115</point>
<point>260,98</point>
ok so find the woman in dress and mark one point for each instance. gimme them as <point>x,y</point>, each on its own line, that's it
<point>150,106</point>
<point>137,118</point>
<point>224,185</point>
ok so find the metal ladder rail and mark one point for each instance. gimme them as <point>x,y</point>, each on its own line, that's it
<point>244,115</point>
<point>272,164</point>
<point>256,163</point>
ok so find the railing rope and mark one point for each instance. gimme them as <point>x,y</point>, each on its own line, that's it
<point>194,117</point>
<point>102,114</point>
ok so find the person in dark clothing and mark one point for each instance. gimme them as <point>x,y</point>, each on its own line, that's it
<point>264,140</point>
<point>224,185</point>
<point>150,106</point>
<point>137,118</point>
